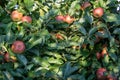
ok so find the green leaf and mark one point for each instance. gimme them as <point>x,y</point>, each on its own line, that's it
<point>116,31</point>
<point>88,17</point>
<point>22,59</point>
<point>68,70</point>
<point>29,67</point>
<point>112,41</point>
<point>92,31</point>
<point>113,57</point>
<point>8,76</point>
<point>35,51</point>
<point>55,61</point>
<point>83,30</point>
<point>102,34</point>
<point>55,46</point>
<point>106,59</point>
<point>112,18</point>
<point>73,7</point>
<point>76,77</point>
<point>29,4</point>
<point>16,73</point>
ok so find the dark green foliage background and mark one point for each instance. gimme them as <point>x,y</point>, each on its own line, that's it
<point>48,58</point>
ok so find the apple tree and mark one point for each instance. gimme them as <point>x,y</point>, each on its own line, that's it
<point>59,40</point>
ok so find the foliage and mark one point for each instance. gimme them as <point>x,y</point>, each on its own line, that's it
<point>71,57</point>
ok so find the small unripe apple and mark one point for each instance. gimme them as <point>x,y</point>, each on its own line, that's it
<point>60,18</point>
<point>16,15</point>
<point>68,19</point>
<point>27,19</point>
<point>98,12</point>
<point>18,47</point>
<point>85,5</point>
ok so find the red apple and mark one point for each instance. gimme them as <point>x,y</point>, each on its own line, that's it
<point>18,47</point>
<point>6,57</point>
<point>16,15</point>
<point>109,77</point>
<point>68,19</point>
<point>85,5</point>
<point>100,73</point>
<point>59,36</point>
<point>98,55</point>
<point>98,12</point>
<point>60,18</point>
<point>27,19</point>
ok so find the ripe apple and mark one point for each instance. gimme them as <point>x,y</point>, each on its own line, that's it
<point>27,19</point>
<point>98,12</point>
<point>104,52</point>
<point>100,73</point>
<point>60,18</point>
<point>16,15</point>
<point>18,47</point>
<point>85,5</point>
<point>68,19</point>
<point>59,36</point>
<point>6,57</point>
<point>98,55</point>
<point>109,77</point>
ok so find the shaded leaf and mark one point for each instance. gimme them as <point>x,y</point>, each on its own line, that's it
<point>22,59</point>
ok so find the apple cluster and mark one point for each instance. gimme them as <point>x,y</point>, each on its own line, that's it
<point>65,18</point>
<point>101,75</point>
<point>18,16</point>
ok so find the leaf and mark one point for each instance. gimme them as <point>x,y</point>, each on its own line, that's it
<point>29,67</point>
<point>113,57</point>
<point>29,4</point>
<point>35,51</point>
<point>55,46</point>
<point>73,7</point>
<point>55,61</point>
<point>68,70</point>
<point>102,3</point>
<point>82,30</point>
<point>50,74</point>
<point>92,31</point>
<point>106,59</point>
<point>88,17</point>
<point>116,31</point>
<point>7,75</point>
<point>16,73</point>
<point>38,41</point>
<point>103,34</point>
<point>76,77</point>
<point>22,59</point>
<point>112,18</point>
<point>112,41</point>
